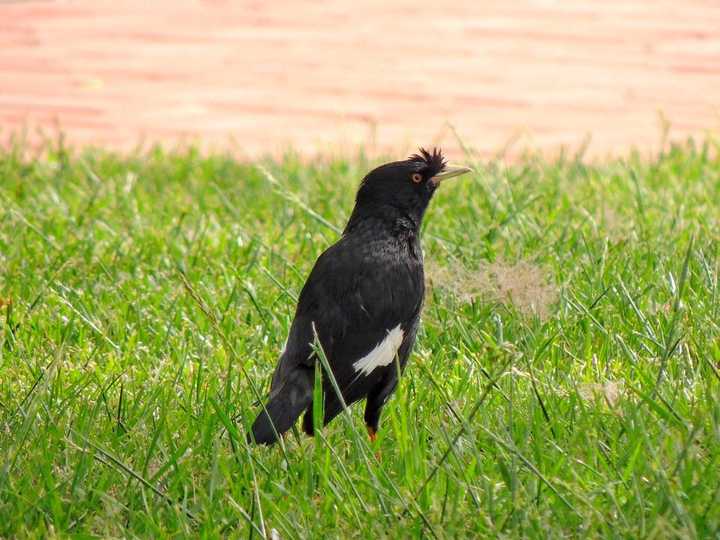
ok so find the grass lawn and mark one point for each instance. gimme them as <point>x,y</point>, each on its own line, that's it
<point>566,380</point>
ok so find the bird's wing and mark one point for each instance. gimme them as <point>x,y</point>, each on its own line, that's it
<point>358,297</point>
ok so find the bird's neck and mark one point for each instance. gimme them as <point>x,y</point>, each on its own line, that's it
<point>388,218</point>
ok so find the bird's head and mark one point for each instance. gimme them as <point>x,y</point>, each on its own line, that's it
<point>403,188</point>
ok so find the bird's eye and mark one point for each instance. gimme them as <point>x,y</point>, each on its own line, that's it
<point>417,178</point>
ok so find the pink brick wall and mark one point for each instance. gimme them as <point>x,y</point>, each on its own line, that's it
<point>328,76</point>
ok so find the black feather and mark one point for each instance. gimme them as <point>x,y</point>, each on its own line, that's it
<point>369,283</point>
<point>434,161</point>
<point>283,408</point>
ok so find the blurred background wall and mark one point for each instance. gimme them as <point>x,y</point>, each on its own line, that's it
<point>259,77</point>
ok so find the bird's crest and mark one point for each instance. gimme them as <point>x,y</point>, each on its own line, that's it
<point>434,161</point>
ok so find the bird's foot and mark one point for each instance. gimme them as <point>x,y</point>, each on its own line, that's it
<point>372,434</point>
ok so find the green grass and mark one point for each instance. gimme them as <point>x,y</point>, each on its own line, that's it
<point>151,295</point>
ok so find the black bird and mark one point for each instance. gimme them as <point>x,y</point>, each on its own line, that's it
<point>363,299</point>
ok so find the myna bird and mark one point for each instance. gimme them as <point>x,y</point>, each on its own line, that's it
<point>362,300</point>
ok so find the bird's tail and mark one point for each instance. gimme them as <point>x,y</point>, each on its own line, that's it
<point>285,405</point>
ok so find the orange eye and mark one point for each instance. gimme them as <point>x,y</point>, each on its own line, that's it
<point>417,178</point>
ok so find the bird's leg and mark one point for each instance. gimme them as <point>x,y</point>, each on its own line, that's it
<point>308,427</point>
<point>372,433</point>
<point>373,407</point>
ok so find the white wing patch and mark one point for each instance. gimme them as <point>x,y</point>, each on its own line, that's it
<point>383,354</point>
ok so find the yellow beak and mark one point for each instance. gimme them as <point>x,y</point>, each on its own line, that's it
<point>450,171</point>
